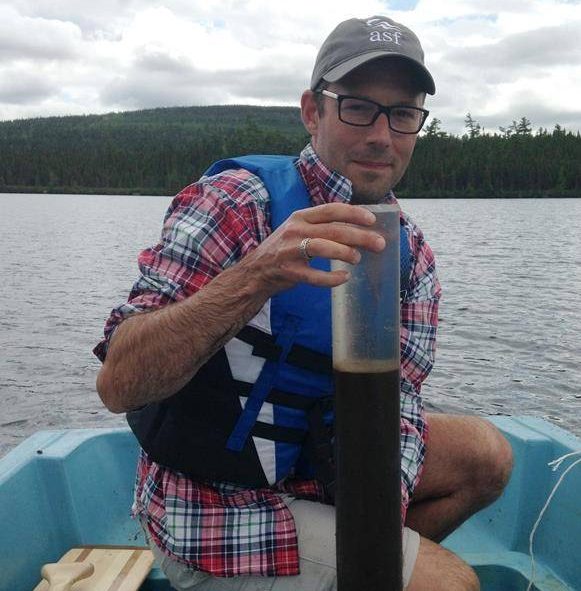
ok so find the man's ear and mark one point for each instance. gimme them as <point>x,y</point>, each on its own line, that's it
<point>309,112</point>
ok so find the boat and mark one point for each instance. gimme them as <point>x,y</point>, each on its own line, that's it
<point>68,488</point>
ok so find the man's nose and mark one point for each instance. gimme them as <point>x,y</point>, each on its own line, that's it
<point>380,132</point>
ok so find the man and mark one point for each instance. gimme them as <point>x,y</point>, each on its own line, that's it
<point>216,384</point>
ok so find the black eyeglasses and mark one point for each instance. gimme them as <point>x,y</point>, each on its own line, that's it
<point>363,113</point>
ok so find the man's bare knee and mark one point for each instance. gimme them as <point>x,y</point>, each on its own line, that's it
<point>438,569</point>
<point>465,453</point>
<point>496,461</point>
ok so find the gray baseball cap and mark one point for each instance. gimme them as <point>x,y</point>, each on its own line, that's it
<point>355,42</point>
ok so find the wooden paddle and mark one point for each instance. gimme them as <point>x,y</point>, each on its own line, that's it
<point>98,568</point>
<point>61,577</point>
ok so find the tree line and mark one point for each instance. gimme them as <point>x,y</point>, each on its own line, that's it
<point>158,151</point>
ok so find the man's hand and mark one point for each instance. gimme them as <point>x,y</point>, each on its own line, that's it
<point>336,231</point>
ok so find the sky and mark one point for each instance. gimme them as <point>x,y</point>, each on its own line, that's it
<point>500,60</point>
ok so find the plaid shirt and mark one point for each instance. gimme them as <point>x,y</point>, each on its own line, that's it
<point>220,528</point>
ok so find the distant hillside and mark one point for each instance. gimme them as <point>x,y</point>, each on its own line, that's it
<point>158,151</point>
<point>155,151</point>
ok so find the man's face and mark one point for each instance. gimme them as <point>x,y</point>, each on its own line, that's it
<point>373,158</point>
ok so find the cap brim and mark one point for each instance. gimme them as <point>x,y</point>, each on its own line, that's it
<point>343,69</point>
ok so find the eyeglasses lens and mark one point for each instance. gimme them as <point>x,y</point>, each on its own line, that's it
<point>361,112</point>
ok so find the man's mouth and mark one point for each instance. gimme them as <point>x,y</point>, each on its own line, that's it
<point>372,164</point>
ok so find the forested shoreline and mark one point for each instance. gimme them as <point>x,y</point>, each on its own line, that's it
<point>158,151</point>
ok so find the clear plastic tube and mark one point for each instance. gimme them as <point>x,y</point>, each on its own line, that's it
<point>366,361</point>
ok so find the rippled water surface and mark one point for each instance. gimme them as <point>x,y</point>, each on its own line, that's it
<point>510,327</point>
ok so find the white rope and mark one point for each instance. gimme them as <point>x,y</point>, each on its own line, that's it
<point>555,465</point>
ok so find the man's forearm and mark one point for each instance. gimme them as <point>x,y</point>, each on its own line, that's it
<point>153,355</point>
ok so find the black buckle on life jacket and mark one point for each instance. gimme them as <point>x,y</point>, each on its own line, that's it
<point>278,433</point>
<point>309,359</point>
<point>282,398</point>
<point>263,345</point>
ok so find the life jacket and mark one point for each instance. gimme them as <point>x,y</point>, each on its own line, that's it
<point>260,409</point>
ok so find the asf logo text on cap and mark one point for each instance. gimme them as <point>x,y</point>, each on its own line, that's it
<point>390,33</point>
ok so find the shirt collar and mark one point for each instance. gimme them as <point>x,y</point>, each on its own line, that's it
<point>326,185</point>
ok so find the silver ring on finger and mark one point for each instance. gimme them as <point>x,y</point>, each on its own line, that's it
<point>303,248</point>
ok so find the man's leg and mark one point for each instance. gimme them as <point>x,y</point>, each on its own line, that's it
<point>438,569</point>
<point>468,464</point>
<point>427,568</point>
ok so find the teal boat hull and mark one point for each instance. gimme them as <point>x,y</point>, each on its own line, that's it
<point>60,489</point>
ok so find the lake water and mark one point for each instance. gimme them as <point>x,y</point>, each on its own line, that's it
<point>510,326</point>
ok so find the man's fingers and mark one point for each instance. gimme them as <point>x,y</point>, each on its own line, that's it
<point>349,235</point>
<point>331,231</point>
<point>338,222</point>
<point>323,278</point>
<point>337,212</point>
<point>328,249</point>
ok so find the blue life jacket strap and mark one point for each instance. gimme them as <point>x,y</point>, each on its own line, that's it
<point>263,386</point>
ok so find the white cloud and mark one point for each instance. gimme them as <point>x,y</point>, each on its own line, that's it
<point>101,17</point>
<point>21,87</point>
<point>494,58</point>
<point>23,37</point>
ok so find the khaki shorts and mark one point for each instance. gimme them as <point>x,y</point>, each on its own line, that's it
<point>315,525</point>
